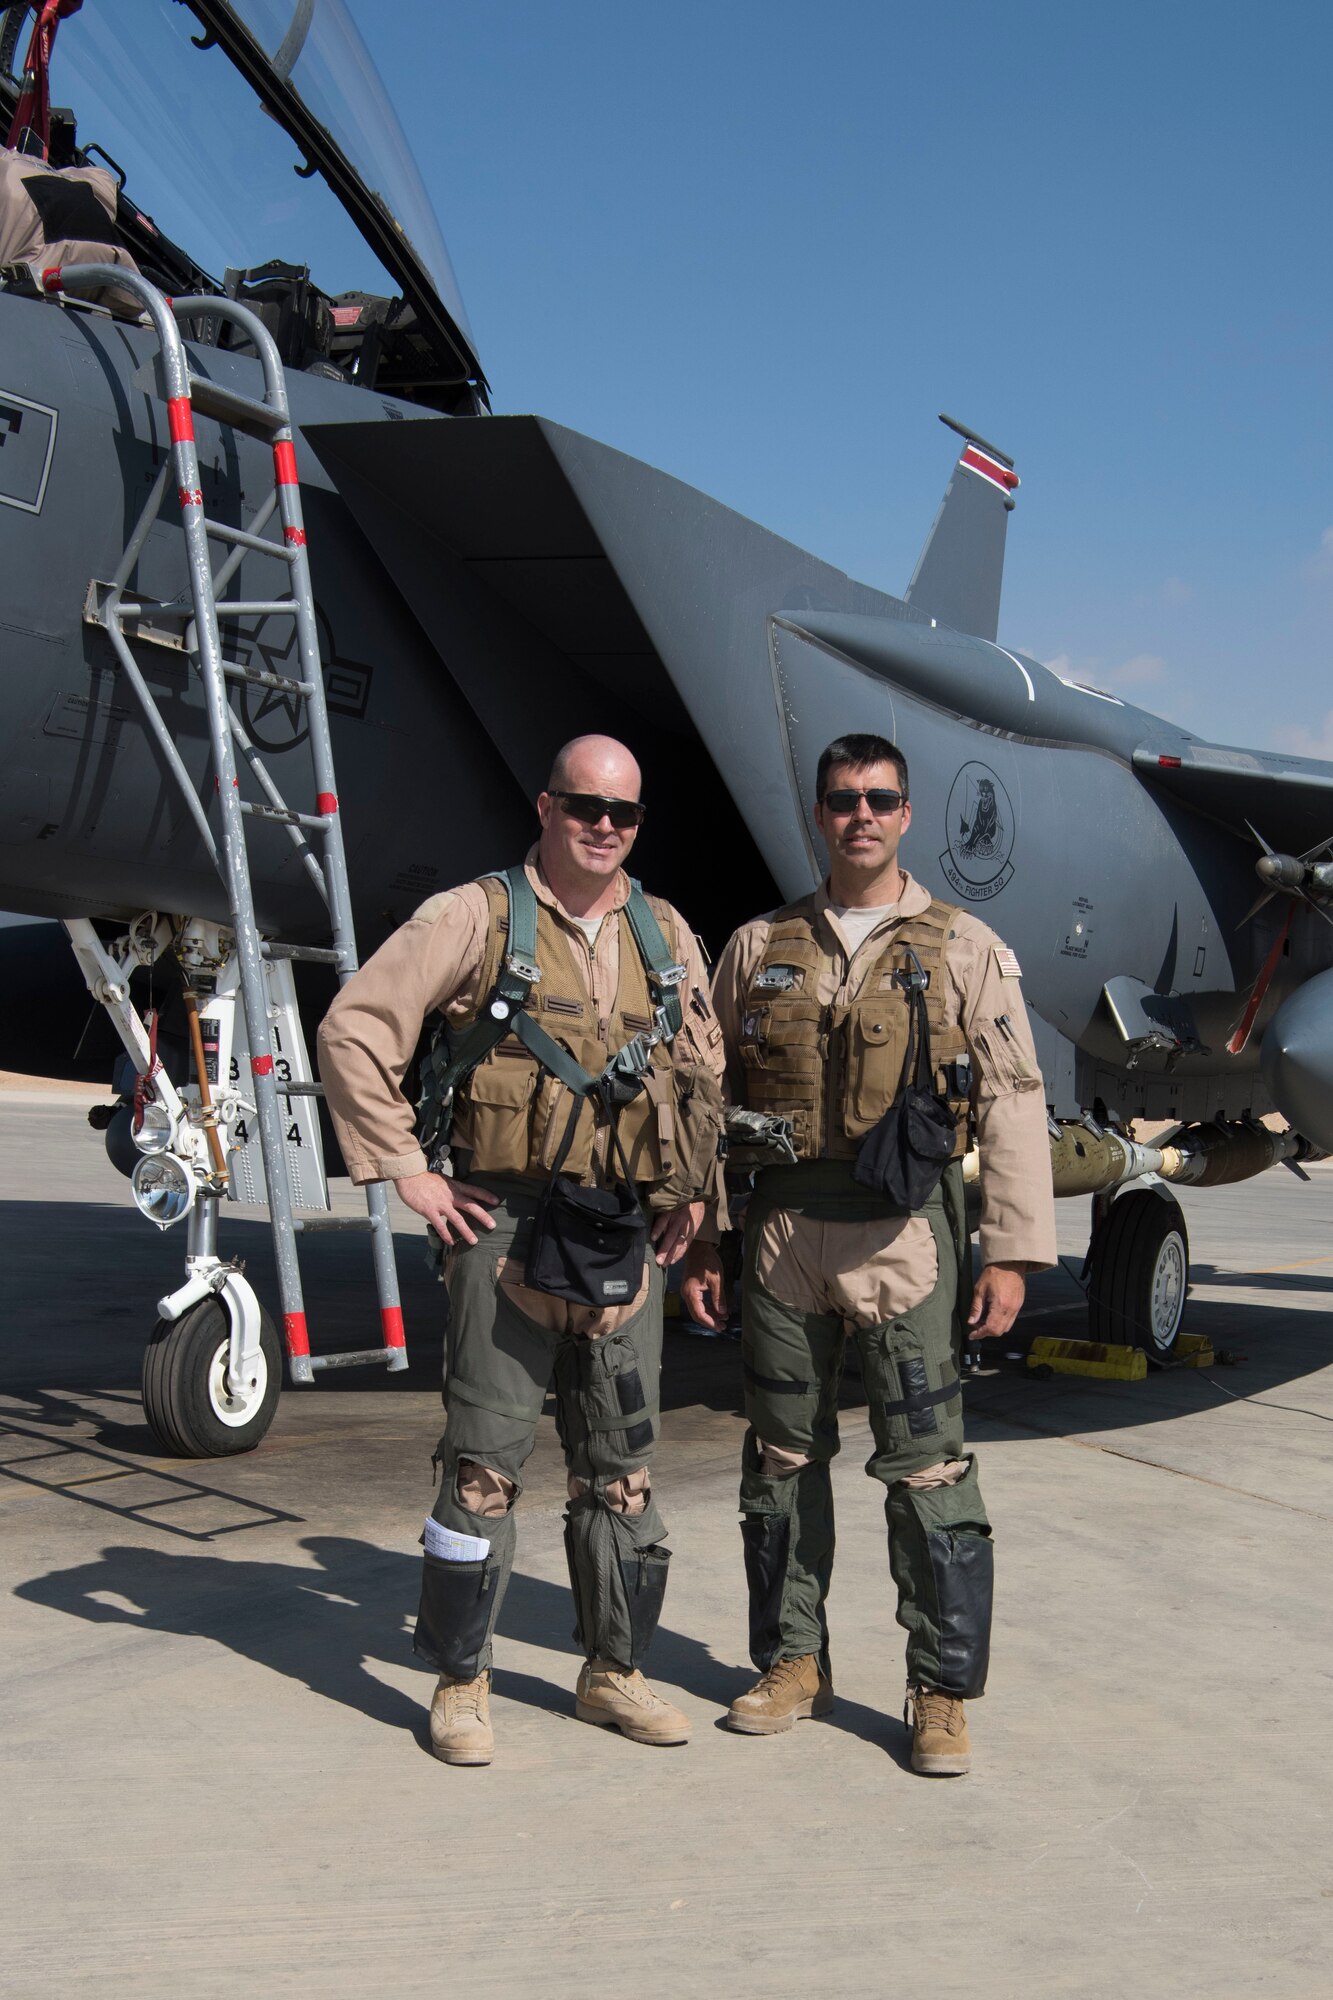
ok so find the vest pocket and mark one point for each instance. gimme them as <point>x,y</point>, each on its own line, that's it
<point>788,1039</point>
<point>549,1119</point>
<point>874,1065</point>
<point>496,1124</point>
<point>636,1124</point>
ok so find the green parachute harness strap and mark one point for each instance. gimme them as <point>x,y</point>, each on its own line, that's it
<point>504,1011</point>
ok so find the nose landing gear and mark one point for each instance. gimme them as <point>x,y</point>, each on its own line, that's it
<point>196,1404</point>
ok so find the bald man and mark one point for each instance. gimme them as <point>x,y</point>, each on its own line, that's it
<point>617,973</point>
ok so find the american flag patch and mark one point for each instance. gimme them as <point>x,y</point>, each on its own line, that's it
<point>1008,964</point>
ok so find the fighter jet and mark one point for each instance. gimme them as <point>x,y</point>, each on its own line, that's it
<point>483,587</point>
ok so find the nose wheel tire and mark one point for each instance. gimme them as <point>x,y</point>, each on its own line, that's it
<point>193,1408</point>
<point>1139,1276</point>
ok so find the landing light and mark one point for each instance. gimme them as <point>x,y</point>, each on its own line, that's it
<point>154,1133</point>
<point>163,1190</point>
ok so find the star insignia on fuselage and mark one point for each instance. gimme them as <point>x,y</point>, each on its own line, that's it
<point>275,718</point>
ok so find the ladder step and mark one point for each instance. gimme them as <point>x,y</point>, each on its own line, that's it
<point>311,954</point>
<point>282,815</point>
<point>225,406</point>
<point>301,1090</point>
<point>260,677</point>
<point>325,1225</point>
<point>222,531</point>
<point>361,1359</point>
<point>259,607</point>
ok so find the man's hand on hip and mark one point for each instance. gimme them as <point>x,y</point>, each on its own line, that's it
<point>448,1205</point>
<point>703,1289</point>
<point>996,1299</point>
<point>674,1232</point>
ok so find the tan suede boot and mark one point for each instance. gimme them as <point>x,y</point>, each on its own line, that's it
<point>460,1720</point>
<point>940,1744</point>
<point>790,1691</point>
<point>616,1699</point>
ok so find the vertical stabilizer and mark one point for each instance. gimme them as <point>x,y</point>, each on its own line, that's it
<point>961,568</point>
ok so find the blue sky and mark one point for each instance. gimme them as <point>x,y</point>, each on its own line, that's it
<point>760,245</point>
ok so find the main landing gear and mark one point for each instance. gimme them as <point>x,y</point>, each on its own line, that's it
<point>1138,1271</point>
<point>1138,1262</point>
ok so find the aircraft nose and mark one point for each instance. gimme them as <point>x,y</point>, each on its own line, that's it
<point>1296,1059</point>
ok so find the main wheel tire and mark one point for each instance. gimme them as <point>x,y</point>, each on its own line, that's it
<point>1140,1273</point>
<point>185,1394</point>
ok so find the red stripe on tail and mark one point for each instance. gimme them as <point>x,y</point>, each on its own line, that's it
<point>990,468</point>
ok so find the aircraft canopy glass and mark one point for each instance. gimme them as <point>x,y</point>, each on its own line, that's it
<point>315,46</point>
<point>216,174</point>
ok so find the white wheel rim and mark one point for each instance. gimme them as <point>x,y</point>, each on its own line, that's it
<point>234,1410</point>
<point>1168,1291</point>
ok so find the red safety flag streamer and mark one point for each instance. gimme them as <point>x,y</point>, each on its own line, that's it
<point>143,1084</point>
<point>1241,1033</point>
<point>33,113</point>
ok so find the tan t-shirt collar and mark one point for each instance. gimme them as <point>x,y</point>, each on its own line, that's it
<point>532,868</point>
<point>913,899</point>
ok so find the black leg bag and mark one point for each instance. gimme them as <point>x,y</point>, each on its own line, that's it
<point>458,1606</point>
<point>963,1566</point>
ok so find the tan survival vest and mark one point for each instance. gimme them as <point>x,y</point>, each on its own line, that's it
<point>510,1114</point>
<point>835,1069</point>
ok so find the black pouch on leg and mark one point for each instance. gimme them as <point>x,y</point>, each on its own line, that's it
<point>906,1152</point>
<point>766,1539</point>
<point>963,1566</point>
<point>644,1574</point>
<point>587,1244</point>
<point>618,1580</point>
<point>458,1604</point>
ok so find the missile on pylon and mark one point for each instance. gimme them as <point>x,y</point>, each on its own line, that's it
<point>1089,1159</point>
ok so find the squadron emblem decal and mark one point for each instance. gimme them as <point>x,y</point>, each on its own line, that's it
<point>979,832</point>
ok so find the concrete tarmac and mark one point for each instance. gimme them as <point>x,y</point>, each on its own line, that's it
<point>216,1773</point>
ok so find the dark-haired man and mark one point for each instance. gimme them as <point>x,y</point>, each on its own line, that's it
<point>814,1001</point>
<point>600,966</point>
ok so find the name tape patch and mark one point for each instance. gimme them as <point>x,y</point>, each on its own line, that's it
<point>615,1288</point>
<point>1008,964</point>
<point>449,1547</point>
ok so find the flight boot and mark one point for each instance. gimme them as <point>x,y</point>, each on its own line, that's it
<point>789,1692</point>
<point>940,1745</point>
<point>619,1698</point>
<point>460,1720</point>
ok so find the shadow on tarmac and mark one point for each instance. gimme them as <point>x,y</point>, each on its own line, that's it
<point>327,1627</point>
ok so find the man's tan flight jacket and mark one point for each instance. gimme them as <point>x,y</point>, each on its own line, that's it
<point>438,959</point>
<point>983,999</point>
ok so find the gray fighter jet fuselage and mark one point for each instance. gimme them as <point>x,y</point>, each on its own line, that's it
<point>488,586</point>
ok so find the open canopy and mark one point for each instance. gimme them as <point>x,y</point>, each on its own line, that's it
<point>211,183</point>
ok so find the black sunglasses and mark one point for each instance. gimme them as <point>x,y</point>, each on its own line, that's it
<point>590,808</point>
<point>881,802</point>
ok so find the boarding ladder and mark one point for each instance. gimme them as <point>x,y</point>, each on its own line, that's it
<point>317,836</point>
